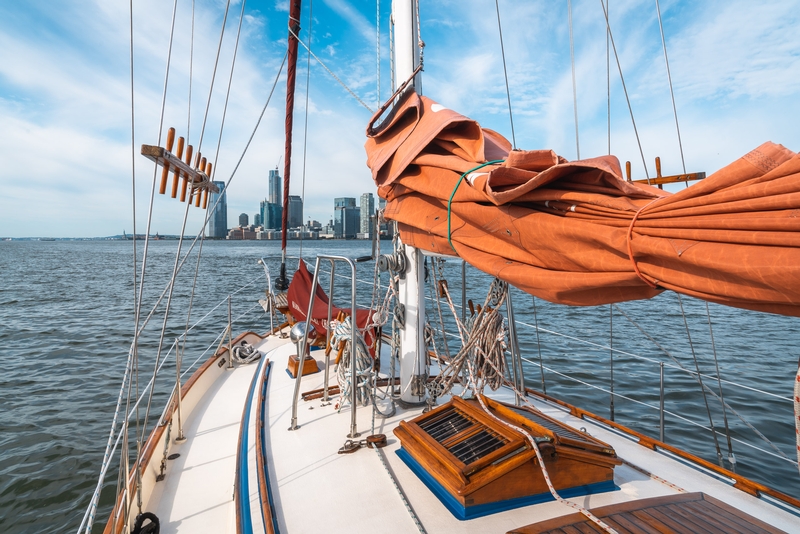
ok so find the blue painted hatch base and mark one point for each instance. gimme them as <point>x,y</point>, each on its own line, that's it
<point>471,512</point>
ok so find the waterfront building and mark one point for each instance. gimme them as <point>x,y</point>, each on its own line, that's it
<point>274,214</point>
<point>367,216</point>
<point>218,222</point>
<point>346,217</point>
<point>257,219</point>
<point>275,183</point>
<point>295,211</point>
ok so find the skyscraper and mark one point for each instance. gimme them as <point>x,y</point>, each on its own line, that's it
<point>244,220</point>
<point>275,187</point>
<point>218,222</point>
<point>295,211</point>
<point>345,226</point>
<point>367,215</point>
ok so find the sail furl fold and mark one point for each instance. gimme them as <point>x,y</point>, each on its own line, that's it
<point>577,232</point>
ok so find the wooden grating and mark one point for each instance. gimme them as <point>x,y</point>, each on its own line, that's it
<point>682,513</point>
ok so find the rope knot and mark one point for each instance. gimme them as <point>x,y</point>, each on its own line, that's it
<point>630,246</point>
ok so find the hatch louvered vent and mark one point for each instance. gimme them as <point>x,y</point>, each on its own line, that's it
<point>464,437</point>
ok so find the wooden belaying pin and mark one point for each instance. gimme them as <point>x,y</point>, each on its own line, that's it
<point>628,170</point>
<point>184,178</point>
<point>177,173</point>
<point>205,191</point>
<point>658,171</point>
<point>197,192</point>
<point>165,172</point>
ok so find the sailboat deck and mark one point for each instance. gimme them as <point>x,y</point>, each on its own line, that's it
<point>686,513</point>
<point>313,485</point>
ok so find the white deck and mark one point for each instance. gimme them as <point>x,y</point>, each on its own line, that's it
<point>313,486</point>
<point>197,493</point>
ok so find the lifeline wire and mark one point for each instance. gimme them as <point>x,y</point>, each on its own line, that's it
<point>679,364</point>
<point>699,378</point>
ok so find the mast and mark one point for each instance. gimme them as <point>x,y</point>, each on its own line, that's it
<point>413,368</point>
<point>281,283</point>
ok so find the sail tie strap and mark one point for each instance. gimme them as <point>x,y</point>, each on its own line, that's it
<point>450,201</point>
<point>630,247</point>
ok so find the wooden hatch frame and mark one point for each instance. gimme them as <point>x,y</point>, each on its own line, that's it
<point>478,465</point>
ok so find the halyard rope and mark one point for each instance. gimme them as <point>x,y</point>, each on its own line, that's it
<point>480,366</point>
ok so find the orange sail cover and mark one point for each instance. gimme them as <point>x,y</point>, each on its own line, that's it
<point>576,232</point>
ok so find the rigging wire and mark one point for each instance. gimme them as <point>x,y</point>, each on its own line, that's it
<point>625,90</point>
<point>305,125</point>
<point>574,86</point>
<point>539,345</point>
<point>682,367</point>
<point>191,69</point>
<point>352,93</point>
<point>731,457</point>
<point>505,73</point>
<point>611,355</point>
<point>671,92</point>
<point>146,246</point>
<point>180,239</point>
<point>377,51</point>
<point>213,78</point>
<point>700,379</point>
<point>608,82</point>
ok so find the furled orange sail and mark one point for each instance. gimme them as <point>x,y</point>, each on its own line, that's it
<point>576,232</point>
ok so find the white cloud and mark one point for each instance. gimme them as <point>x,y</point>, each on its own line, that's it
<point>357,21</point>
<point>64,94</point>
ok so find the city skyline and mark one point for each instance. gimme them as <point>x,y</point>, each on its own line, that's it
<point>67,88</point>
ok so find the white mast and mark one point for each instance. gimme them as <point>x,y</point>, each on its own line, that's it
<point>413,368</point>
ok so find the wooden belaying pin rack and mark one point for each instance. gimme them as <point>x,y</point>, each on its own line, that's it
<point>198,175</point>
<point>661,180</point>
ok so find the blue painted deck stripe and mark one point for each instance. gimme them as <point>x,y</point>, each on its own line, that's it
<point>246,525</point>
<point>471,512</point>
<point>263,412</point>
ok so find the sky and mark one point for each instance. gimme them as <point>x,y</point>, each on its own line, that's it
<point>66,162</point>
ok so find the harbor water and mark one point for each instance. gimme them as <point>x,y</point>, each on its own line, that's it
<point>67,321</point>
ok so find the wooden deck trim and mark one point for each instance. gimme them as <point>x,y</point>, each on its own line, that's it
<point>155,435</point>
<point>740,482</point>
<point>263,478</point>
<point>683,512</point>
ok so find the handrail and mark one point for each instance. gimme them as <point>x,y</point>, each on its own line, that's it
<point>271,300</point>
<point>353,346</point>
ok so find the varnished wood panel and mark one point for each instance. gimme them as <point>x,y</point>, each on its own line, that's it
<point>683,513</point>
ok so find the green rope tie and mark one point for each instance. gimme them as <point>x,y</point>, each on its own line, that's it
<point>450,202</point>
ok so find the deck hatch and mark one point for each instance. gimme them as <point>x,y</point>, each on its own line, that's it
<point>477,462</point>
<point>475,447</point>
<point>551,426</point>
